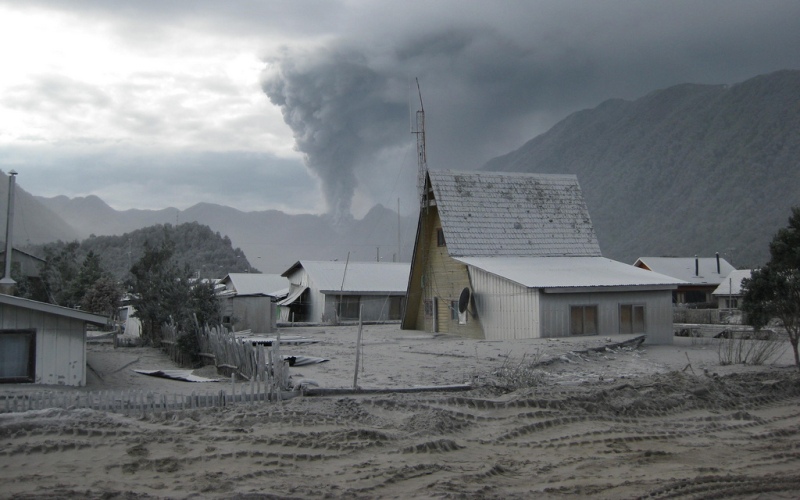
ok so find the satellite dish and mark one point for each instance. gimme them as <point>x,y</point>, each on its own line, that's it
<point>463,300</point>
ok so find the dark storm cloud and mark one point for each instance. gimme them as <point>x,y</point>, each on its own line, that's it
<point>493,75</point>
<point>493,78</point>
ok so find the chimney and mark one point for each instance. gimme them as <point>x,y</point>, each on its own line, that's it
<point>718,269</point>
<point>6,283</point>
<point>696,266</point>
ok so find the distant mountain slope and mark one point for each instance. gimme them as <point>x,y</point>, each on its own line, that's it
<point>34,223</point>
<point>91,215</point>
<point>271,240</point>
<point>692,169</point>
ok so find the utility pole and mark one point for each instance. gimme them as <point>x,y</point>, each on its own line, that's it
<point>7,283</point>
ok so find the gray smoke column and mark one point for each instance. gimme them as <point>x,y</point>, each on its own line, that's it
<point>342,111</point>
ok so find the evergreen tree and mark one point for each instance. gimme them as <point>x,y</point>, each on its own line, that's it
<point>773,291</point>
<point>163,291</point>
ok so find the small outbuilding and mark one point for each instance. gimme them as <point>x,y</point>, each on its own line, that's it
<point>514,256</point>
<point>43,343</point>
<point>247,300</point>
<point>729,292</point>
<point>700,275</point>
<point>333,291</point>
<point>23,263</point>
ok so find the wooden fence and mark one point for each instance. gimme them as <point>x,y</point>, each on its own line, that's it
<point>230,355</point>
<point>143,404</point>
<point>264,371</point>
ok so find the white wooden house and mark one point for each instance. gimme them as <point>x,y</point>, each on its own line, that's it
<point>729,292</point>
<point>43,343</point>
<point>509,256</point>
<point>700,275</point>
<point>247,300</point>
<point>332,291</point>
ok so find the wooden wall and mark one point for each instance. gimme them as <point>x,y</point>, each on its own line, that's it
<point>507,310</point>
<point>254,313</point>
<point>60,344</point>
<point>555,312</point>
<point>440,277</point>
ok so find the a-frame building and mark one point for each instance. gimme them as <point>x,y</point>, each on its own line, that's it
<point>524,247</point>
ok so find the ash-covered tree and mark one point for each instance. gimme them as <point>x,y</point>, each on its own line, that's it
<point>58,274</point>
<point>773,291</point>
<point>65,280</point>
<point>164,292</point>
<point>102,297</point>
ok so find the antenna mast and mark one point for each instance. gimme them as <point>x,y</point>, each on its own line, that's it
<point>422,160</point>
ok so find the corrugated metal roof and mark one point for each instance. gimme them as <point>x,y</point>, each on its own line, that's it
<point>732,284</point>
<point>569,272</point>
<point>683,268</point>
<point>361,277</point>
<point>523,215</point>
<point>255,283</point>
<point>35,305</point>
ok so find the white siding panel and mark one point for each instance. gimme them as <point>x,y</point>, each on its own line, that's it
<point>506,310</point>
<point>555,312</point>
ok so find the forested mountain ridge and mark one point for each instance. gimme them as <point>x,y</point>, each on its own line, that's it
<point>209,254</point>
<point>688,170</point>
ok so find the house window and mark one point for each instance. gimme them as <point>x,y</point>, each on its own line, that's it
<point>396,308</point>
<point>428,308</point>
<point>349,306</point>
<point>454,310</point>
<point>17,356</point>
<point>440,237</point>
<point>631,318</point>
<point>583,320</point>
<point>732,303</point>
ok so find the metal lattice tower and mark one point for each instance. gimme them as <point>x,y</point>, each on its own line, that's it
<point>422,160</point>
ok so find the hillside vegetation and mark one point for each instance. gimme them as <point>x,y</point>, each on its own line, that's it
<point>688,170</point>
<point>206,252</point>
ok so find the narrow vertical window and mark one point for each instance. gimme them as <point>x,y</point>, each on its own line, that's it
<point>440,237</point>
<point>428,308</point>
<point>631,319</point>
<point>583,320</point>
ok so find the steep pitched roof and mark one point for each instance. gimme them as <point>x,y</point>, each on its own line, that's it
<point>697,271</point>
<point>360,277</point>
<point>488,214</point>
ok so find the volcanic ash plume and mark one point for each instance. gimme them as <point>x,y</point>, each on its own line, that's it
<point>342,112</point>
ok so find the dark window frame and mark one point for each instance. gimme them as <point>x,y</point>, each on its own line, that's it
<point>428,304</point>
<point>440,237</point>
<point>31,365</point>
<point>348,306</point>
<point>573,324</point>
<point>632,320</point>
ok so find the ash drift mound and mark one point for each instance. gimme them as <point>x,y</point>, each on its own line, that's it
<point>659,435</point>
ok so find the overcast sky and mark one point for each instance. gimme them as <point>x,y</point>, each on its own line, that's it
<point>305,106</point>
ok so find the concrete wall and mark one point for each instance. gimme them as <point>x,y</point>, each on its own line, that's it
<point>60,344</point>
